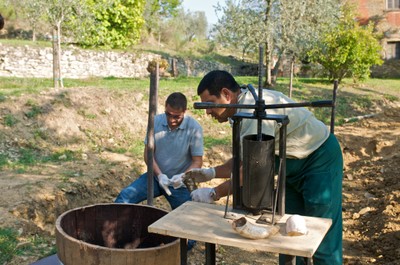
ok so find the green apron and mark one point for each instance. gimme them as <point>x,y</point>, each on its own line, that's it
<point>314,188</point>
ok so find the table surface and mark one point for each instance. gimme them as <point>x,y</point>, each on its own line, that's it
<point>205,222</point>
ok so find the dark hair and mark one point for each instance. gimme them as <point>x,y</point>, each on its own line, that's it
<point>215,80</point>
<point>177,100</point>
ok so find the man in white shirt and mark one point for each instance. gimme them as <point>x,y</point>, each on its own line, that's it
<point>314,164</point>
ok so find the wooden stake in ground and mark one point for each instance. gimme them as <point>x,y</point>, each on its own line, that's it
<point>154,76</point>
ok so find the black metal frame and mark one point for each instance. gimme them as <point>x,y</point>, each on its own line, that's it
<point>279,197</point>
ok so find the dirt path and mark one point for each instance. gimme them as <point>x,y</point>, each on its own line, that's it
<point>96,123</point>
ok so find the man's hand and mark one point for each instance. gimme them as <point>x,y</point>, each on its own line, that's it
<point>200,174</point>
<point>205,195</point>
<point>177,181</point>
<point>164,182</point>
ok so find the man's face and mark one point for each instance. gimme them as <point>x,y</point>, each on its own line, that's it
<point>220,114</point>
<point>174,116</point>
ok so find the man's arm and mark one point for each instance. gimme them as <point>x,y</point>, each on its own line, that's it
<point>224,170</point>
<point>223,189</point>
<point>163,179</point>
<point>208,195</point>
<point>197,162</point>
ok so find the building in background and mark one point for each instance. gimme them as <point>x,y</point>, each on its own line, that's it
<point>385,14</point>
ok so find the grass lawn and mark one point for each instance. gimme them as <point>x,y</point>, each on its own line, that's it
<point>352,100</point>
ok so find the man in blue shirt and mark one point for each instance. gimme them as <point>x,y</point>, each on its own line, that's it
<point>178,147</point>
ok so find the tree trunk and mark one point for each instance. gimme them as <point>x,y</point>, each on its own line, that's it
<point>268,82</point>
<point>56,66</point>
<point>268,45</point>
<point>174,67</point>
<point>33,34</point>
<point>59,53</point>
<point>291,76</point>
<point>275,70</point>
<point>57,78</point>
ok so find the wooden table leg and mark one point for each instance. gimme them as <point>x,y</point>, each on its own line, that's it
<point>210,254</point>
<point>183,251</point>
<point>290,260</point>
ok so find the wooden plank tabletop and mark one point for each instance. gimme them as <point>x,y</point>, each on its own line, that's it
<point>205,222</point>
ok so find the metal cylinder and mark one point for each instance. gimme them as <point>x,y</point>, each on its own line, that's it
<point>258,172</point>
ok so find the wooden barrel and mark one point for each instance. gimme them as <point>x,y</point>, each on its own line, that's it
<point>114,234</point>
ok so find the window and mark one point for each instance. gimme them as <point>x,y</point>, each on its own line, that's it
<point>393,4</point>
<point>393,50</point>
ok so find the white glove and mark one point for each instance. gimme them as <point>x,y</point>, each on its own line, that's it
<point>177,181</point>
<point>203,195</point>
<point>200,174</point>
<point>164,182</point>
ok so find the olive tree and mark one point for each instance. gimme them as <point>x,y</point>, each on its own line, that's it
<point>240,28</point>
<point>57,12</point>
<point>30,11</point>
<point>109,23</point>
<point>186,28</point>
<point>280,25</point>
<point>300,26</point>
<point>156,12</point>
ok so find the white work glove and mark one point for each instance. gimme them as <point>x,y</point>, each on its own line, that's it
<point>203,195</point>
<point>177,180</point>
<point>200,174</point>
<point>164,182</point>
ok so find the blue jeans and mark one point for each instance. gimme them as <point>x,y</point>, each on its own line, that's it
<point>136,192</point>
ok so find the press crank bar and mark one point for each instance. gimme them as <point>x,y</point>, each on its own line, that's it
<point>210,105</point>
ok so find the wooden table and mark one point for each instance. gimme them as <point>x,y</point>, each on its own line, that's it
<point>205,222</point>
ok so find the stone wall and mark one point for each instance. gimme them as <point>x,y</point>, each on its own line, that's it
<point>27,61</point>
